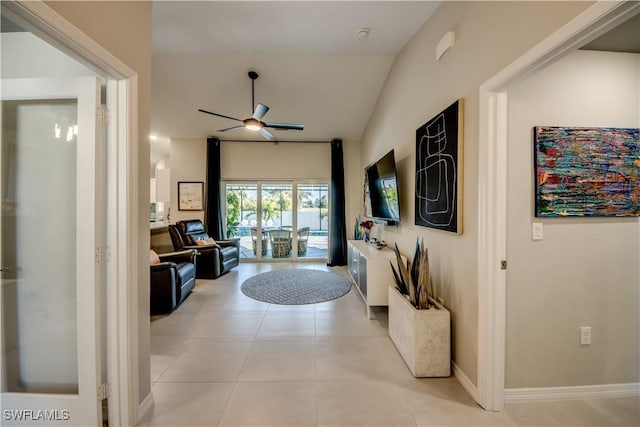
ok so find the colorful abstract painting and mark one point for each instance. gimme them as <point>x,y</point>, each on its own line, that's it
<point>587,171</point>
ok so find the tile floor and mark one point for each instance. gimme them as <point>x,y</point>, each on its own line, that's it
<point>222,359</point>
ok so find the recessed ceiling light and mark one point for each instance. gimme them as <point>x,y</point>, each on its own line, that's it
<point>363,32</point>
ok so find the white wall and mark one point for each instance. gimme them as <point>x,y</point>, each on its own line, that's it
<point>247,161</point>
<point>489,36</point>
<point>586,270</point>
<point>258,160</point>
<point>188,162</point>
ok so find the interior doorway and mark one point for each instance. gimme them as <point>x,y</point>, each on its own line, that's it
<point>592,23</point>
<point>101,186</point>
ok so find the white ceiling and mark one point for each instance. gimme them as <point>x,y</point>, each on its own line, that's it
<point>313,67</point>
<point>286,27</point>
<point>623,38</point>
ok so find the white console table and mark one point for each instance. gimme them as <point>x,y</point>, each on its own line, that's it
<point>370,270</point>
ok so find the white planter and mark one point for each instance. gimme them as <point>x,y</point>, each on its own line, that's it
<point>423,337</point>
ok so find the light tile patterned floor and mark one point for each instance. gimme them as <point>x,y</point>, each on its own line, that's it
<point>224,359</point>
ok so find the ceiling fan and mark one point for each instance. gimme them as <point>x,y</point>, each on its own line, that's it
<point>255,122</point>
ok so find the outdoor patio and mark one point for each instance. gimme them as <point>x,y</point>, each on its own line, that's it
<point>316,248</point>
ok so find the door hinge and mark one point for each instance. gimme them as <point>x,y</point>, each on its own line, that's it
<point>103,255</point>
<point>104,391</point>
<point>503,264</point>
<point>102,116</point>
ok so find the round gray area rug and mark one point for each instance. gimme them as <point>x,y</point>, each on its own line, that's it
<point>296,286</point>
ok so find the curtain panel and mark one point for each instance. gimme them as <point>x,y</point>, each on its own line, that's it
<point>213,213</point>
<point>337,227</point>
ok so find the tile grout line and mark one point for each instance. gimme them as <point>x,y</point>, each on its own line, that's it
<point>244,362</point>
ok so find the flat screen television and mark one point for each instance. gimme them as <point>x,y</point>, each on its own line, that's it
<point>382,182</point>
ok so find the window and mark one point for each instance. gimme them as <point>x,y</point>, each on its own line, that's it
<point>278,220</point>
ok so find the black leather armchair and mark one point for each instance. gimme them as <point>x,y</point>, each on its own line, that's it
<point>171,280</point>
<point>215,259</point>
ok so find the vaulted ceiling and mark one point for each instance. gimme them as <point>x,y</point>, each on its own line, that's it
<point>314,68</point>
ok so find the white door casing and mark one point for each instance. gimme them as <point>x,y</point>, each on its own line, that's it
<point>122,217</point>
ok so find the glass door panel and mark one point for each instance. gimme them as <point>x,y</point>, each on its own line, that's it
<point>277,218</point>
<point>38,160</point>
<point>312,220</point>
<point>48,240</point>
<point>242,217</point>
<point>262,215</point>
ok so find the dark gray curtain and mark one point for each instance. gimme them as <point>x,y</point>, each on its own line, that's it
<point>213,213</point>
<point>337,227</point>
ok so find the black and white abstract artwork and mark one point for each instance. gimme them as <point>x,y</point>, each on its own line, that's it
<point>439,171</point>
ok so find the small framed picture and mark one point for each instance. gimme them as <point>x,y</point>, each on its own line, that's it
<point>190,196</point>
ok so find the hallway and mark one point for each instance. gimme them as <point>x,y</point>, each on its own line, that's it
<point>224,359</point>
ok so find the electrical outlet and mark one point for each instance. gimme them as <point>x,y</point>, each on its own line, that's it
<point>585,335</point>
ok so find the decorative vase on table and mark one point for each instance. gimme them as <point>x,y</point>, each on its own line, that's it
<point>366,229</point>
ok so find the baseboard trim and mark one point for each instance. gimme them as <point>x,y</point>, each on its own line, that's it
<point>464,380</point>
<point>573,392</point>
<point>145,407</point>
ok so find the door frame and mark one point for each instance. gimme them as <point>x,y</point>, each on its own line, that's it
<point>492,184</point>
<point>122,190</point>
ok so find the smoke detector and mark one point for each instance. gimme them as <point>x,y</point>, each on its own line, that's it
<point>363,32</point>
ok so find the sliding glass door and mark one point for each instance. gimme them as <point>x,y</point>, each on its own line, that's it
<point>278,220</point>
<point>312,220</point>
<point>242,216</point>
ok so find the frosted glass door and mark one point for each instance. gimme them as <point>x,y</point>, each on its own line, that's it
<point>50,363</point>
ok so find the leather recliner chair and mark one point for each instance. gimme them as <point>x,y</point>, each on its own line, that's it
<point>214,259</point>
<point>171,280</point>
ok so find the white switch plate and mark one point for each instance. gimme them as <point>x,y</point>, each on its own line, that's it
<point>536,231</point>
<point>585,335</point>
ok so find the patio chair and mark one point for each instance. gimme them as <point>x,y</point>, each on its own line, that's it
<point>280,243</point>
<point>303,238</point>
<point>254,241</point>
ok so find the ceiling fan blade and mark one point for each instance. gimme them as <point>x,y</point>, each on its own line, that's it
<point>261,110</point>
<point>283,126</point>
<point>267,134</point>
<point>219,115</point>
<point>232,127</point>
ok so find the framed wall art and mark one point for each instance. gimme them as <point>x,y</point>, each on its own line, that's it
<point>190,196</point>
<point>438,198</point>
<point>586,171</point>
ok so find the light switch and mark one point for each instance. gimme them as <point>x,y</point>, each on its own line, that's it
<point>536,231</point>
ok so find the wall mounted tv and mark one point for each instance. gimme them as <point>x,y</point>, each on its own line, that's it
<point>382,182</point>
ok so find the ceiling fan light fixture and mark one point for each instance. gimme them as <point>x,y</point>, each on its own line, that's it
<point>253,124</point>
